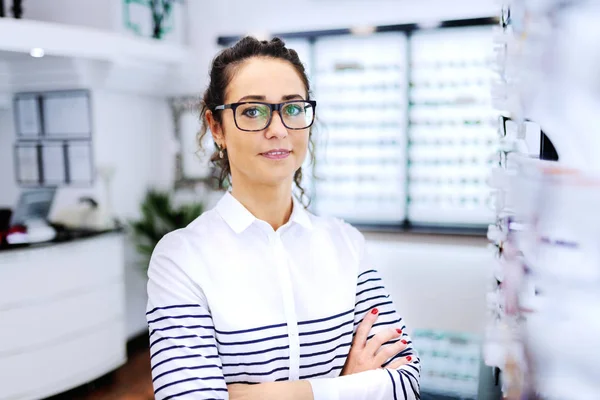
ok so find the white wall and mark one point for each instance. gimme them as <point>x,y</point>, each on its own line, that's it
<point>437,282</point>
<point>8,190</point>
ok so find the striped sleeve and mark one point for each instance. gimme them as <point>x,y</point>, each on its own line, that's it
<point>184,357</point>
<point>383,384</point>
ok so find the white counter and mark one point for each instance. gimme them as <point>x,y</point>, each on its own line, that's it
<point>62,316</point>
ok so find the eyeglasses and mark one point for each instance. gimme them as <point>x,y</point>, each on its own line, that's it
<point>257,116</point>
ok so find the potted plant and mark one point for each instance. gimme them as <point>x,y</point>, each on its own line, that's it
<point>159,217</point>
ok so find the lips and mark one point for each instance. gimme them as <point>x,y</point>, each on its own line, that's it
<point>276,154</point>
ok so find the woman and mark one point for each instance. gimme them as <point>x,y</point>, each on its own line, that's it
<point>257,298</point>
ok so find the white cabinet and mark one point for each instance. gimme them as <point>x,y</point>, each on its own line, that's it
<point>62,316</point>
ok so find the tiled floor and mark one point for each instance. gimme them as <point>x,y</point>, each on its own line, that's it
<point>132,381</point>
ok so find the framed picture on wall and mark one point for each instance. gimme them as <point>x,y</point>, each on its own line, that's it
<point>67,114</point>
<point>79,161</point>
<point>28,122</point>
<point>53,163</point>
<point>27,166</point>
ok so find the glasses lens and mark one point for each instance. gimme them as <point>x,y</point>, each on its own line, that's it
<point>298,114</point>
<point>252,116</point>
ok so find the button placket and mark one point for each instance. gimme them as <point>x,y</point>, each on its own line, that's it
<point>289,306</point>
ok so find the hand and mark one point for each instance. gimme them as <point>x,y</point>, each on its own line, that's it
<point>368,355</point>
<point>288,390</point>
<point>238,391</point>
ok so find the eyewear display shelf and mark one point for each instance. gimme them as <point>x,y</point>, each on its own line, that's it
<point>405,129</point>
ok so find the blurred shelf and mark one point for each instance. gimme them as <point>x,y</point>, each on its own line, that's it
<point>84,57</point>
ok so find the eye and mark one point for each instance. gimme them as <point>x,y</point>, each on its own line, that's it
<point>293,110</point>
<point>255,111</point>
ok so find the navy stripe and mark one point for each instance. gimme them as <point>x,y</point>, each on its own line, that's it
<point>411,383</point>
<point>393,383</point>
<point>256,363</point>
<point>321,373</point>
<point>251,353</point>
<point>171,307</point>
<point>367,290</point>
<point>260,328</point>
<point>368,280</point>
<point>381,296</point>
<point>326,318</point>
<point>178,358</point>
<point>251,341</point>
<point>408,373</point>
<point>172,337</point>
<point>168,328</point>
<point>325,341</point>
<point>403,387</point>
<point>415,368</point>
<point>201,346</point>
<point>208,378</point>
<point>373,306</point>
<point>366,272</point>
<point>178,317</point>
<point>378,315</point>
<point>258,373</point>
<point>324,362</point>
<point>194,391</point>
<point>184,368</point>
<point>326,351</point>
<point>328,329</point>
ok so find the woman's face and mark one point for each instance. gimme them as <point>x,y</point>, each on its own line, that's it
<point>271,156</point>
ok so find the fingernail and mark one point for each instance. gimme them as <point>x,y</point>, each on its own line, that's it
<point>399,331</point>
<point>408,358</point>
<point>374,311</point>
<point>405,342</point>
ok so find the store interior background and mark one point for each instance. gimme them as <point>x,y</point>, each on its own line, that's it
<point>439,281</point>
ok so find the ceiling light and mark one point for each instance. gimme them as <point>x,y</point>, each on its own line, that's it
<point>37,52</point>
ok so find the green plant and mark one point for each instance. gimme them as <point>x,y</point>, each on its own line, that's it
<point>159,217</point>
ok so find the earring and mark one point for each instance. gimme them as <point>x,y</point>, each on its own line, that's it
<point>221,152</point>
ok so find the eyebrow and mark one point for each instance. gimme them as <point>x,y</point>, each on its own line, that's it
<point>263,98</point>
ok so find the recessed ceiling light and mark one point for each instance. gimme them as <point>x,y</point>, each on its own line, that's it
<point>37,52</point>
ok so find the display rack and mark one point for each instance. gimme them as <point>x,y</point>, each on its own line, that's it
<point>452,127</point>
<point>362,130</point>
<point>545,240</point>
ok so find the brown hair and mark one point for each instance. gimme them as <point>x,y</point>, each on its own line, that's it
<point>223,68</point>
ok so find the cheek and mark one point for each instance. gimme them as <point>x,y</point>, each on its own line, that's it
<point>301,145</point>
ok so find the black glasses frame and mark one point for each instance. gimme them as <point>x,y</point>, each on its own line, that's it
<point>273,107</point>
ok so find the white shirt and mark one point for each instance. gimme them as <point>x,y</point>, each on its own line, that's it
<point>233,301</point>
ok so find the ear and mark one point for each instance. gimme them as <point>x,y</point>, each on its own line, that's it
<point>215,129</point>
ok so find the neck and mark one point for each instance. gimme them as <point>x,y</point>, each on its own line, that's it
<point>272,204</point>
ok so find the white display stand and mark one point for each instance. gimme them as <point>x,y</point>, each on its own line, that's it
<point>62,309</point>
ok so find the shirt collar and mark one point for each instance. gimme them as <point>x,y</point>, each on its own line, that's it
<point>239,218</point>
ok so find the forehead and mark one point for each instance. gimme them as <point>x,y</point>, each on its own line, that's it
<point>261,76</point>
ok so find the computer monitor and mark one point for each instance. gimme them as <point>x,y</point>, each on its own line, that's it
<point>34,204</point>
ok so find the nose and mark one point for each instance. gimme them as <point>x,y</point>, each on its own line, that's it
<point>276,127</point>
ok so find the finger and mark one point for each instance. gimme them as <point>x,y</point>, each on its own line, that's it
<point>385,353</point>
<point>379,339</point>
<point>400,362</point>
<point>362,332</point>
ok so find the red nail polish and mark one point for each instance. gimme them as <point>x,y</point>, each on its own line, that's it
<point>399,331</point>
<point>405,342</point>
<point>374,311</point>
<point>408,358</point>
